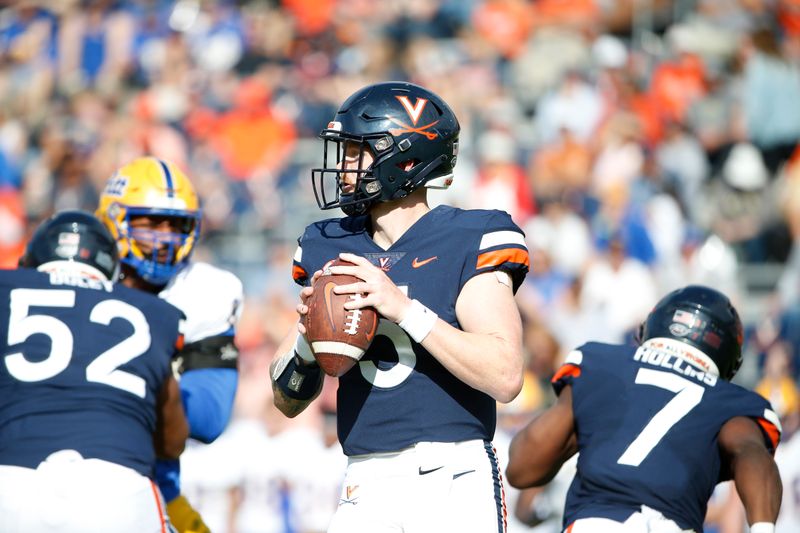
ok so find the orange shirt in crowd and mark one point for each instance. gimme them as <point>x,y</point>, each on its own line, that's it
<point>676,84</point>
<point>312,16</point>
<point>505,24</point>
<point>250,137</point>
<point>12,227</point>
<point>789,17</point>
<point>570,13</point>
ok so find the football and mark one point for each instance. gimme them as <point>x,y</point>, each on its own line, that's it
<point>338,336</point>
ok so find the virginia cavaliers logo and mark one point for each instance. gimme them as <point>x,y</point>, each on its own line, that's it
<point>350,496</point>
<point>414,112</point>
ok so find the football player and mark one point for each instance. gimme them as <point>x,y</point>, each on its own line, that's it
<point>151,209</point>
<point>657,426</point>
<point>417,414</point>
<point>87,395</point>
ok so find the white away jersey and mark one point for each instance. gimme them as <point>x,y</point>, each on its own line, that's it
<point>211,299</point>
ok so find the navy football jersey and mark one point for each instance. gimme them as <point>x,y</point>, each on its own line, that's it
<point>647,424</point>
<point>399,394</point>
<point>81,368</point>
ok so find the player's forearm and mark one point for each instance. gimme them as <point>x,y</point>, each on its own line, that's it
<point>486,362</point>
<point>539,450</point>
<point>290,407</point>
<point>535,458</point>
<point>758,483</point>
<point>172,428</point>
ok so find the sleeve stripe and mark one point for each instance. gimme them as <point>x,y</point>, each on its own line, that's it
<point>298,254</point>
<point>770,416</point>
<point>497,238</point>
<point>771,431</point>
<point>298,272</point>
<point>507,255</point>
<point>567,369</point>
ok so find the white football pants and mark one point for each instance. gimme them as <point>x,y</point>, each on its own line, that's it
<point>645,521</point>
<point>67,493</point>
<point>428,488</point>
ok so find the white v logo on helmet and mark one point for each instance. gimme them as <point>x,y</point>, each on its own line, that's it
<point>414,111</point>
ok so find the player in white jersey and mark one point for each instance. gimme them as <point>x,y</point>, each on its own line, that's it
<point>153,212</point>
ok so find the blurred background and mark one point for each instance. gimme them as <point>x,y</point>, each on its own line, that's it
<point>641,145</point>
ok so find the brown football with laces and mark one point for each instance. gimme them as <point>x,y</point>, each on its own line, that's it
<point>338,336</point>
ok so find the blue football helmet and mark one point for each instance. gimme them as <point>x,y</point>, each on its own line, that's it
<point>411,133</point>
<point>701,317</point>
<point>74,240</point>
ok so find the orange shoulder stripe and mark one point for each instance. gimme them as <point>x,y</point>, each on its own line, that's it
<point>298,272</point>
<point>506,255</point>
<point>567,369</point>
<point>771,431</point>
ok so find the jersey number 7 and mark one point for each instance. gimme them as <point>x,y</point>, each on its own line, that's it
<point>687,396</point>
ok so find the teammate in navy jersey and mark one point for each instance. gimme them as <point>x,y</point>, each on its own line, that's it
<point>87,397</point>
<point>657,426</point>
<point>417,414</point>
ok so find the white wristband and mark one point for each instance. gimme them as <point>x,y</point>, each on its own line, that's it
<point>302,349</point>
<point>418,322</point>
<point>762,527</point>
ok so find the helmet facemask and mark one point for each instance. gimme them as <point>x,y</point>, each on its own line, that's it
<point>354,187</point>
<point>154,254</point>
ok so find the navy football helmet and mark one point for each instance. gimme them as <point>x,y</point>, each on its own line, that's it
<point>73,236</point>
<point>411,133</point>
<point>703,318</point>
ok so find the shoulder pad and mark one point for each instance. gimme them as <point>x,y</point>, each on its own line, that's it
<point>211,299</point>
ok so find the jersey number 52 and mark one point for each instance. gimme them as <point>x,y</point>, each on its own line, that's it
<point>103,369</point>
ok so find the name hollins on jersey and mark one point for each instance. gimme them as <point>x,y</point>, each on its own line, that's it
<point>666,356</point>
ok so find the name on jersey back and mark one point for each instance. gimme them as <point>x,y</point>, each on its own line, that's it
<point>674,358</point>
<point>63,278</point>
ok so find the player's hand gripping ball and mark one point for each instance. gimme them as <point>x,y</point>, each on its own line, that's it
<point>338,336</point>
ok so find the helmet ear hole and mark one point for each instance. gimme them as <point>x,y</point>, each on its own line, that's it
<point>408,165</point>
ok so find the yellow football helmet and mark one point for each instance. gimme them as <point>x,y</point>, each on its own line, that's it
<point>150,187</point>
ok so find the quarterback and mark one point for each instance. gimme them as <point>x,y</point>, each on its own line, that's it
<point>417,414</point>
<point>153,212</point>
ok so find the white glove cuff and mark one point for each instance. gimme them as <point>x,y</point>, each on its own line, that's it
<point>303,350</point>
<point>418,322</point>
<point>762,527</point>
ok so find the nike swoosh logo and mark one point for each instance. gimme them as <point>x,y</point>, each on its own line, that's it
<point>329,303</point>
<point>416,263</point>
<point>423,472</point>
<point>456,476</point>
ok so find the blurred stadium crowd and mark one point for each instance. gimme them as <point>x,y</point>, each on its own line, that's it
<point>641,145</point>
